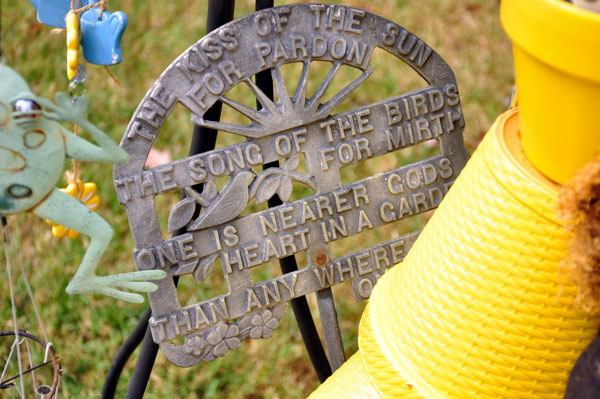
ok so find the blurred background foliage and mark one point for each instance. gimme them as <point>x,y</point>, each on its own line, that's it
<point>87,330</point>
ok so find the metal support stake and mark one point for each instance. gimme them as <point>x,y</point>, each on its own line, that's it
<point>300,307</point>
<point>331,328</point>
<point>219,13</point>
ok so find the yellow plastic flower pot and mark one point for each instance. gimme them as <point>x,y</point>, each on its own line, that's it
<point>557,68</point>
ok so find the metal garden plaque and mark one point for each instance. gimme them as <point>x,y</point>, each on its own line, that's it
<point>296,127</point>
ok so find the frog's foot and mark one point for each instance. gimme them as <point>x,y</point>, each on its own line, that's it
<point>111,285</point>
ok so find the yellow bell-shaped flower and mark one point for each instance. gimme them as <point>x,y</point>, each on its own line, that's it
<point>72,22</point>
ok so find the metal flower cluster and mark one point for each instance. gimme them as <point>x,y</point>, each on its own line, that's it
<point>223,337</point>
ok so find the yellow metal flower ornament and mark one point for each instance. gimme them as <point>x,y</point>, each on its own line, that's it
<point>83,192</point>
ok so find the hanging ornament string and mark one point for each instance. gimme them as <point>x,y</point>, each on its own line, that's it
<point>73,177</point>
<point>72,23</point>
<point>112,76</point>
<point>84,192</point>
<point>76,89</point>
<point>101,4</point>
<point>12,300</point>
<point>40,323</point>
<point>12,248</point>
<point>22,336</point>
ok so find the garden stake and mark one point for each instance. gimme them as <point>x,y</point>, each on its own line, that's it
<point>294,128</point>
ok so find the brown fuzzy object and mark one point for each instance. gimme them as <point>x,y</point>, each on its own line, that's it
<point>579,207</point>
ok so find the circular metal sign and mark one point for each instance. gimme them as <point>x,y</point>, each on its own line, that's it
<point>295,127</point>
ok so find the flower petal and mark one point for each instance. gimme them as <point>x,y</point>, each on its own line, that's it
<point>213,338</point>
<point>232,343</point>
<point>220,350</point>
<point>232,331</point>
<point>244,323</point>
<point>157,157</point>
<point>221,329</point>
<point>266,315</point>
<point>272,324</point>
<point>257,320</point>
<point>256,333</point>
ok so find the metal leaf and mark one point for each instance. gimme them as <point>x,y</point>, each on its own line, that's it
<point>210,190</point>
<point>268,188</point>
<point>279,310</point>
<point>285,188</point>
<point>204,268</point>
<point>292,162</point>
<point>181,214</point>
<point>200,200</point>
<point>221,349</point>
<point>301,178</point>
<point>244,323</point>
<point>258,181</point>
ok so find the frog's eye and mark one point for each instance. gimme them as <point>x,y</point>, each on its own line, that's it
<point>27,109</point>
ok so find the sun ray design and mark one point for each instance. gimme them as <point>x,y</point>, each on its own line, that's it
<point>287,112</point>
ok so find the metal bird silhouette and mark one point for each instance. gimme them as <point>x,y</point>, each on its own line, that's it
<point>226,206</point>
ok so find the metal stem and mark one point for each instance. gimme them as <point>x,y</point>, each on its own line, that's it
<point>5,384</point>
<point>123,354</point>
<point>300,307</point>
<point>12,302</point>
<point>219,13</point>
<point>331,328</point>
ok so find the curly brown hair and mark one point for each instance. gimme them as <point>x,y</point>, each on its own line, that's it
<point>579,207</point>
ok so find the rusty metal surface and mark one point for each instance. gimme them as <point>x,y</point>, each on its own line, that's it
<point>296,129</point>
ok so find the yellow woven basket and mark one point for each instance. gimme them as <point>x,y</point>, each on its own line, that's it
<point>478,309</point>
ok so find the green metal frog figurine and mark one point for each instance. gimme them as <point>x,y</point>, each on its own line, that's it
<point>33,148</point>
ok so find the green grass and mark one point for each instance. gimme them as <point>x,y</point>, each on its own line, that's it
<point>87,330</point>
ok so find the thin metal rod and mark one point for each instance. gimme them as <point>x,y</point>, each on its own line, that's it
<point>300,307</point>
<point>123,354</point>
<point>4,384</point>
<point>12,301</point>
<point>219,13</point>
<point>29,290</point>
<point>143,368</point>
<point>331,328</point>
